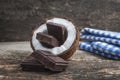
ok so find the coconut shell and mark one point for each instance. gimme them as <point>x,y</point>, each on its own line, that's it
<point>67,53</point>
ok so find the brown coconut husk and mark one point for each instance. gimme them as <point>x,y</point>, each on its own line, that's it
<point>68,53</point>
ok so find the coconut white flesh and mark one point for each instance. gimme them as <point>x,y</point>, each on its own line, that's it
<point>71,31</point>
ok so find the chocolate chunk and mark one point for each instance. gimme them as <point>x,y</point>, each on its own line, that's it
<point>31,64</point>
<point>58,31</point>
<point>47,40</point>
<point>50,61</point>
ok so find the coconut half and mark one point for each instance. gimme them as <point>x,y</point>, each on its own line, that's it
<point>69,46</point>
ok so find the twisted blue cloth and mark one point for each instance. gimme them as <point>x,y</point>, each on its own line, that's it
<point>103,43</point>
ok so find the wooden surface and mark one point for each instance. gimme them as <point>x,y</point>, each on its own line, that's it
<point>82,65</point>
<point>19,17</point>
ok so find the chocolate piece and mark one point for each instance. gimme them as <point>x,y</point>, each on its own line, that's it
<point>47,40</point>
<point>31,64</point>
<point>58,31</point>
<point>50,61</point>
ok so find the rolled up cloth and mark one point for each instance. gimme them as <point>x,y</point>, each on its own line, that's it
<point>103,43</point>
<point>100,35</point>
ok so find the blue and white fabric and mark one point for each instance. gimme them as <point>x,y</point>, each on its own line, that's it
<point>104,43</point>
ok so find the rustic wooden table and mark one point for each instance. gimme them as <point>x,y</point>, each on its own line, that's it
<point>82,65</point>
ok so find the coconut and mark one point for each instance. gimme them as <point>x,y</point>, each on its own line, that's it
<point>69,46</point>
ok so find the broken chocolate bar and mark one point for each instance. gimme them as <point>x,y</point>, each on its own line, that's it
<point>31,64</point>
<point>47,40</point>
<point>58,31</point>
<point>50,61</point>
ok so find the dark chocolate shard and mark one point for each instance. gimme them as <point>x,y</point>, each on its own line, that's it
<point>50,61</point>
<point>58,31</point>
<point>31,64</point>
<point>47,40</point>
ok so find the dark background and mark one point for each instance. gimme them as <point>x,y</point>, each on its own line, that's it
<point>19,17</point>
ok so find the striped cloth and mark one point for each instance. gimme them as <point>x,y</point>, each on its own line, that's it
<point>103,43</point>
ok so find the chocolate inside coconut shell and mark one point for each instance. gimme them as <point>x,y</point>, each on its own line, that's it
<point>70,44</point>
